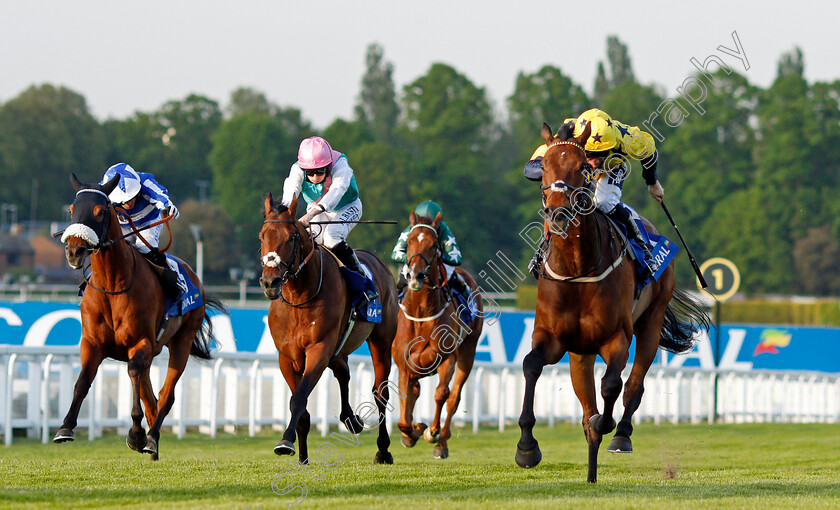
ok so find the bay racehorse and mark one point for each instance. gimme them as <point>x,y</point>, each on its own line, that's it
<point>585,306</point>
<point>308,319</point>
<point>431,336</point>
<point>122,311</point>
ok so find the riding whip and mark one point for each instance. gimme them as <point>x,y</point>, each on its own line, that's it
<point>703,283</point>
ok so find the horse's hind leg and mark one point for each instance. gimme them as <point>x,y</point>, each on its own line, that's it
<point>179,353</point>
<point>341,372</point>
<point>91,357</point>
<point>583,382</point>
<point>647,343</point>
<point>380,353</point>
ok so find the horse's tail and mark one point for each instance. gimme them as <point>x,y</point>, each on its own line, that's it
<point>684,316</point>
<point>204,337</point>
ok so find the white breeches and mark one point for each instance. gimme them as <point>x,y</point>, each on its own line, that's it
<point>331,235</point>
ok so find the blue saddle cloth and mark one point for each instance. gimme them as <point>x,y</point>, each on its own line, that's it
<point>357,283</point>
<point>465,306</point>
<point>189,300</point>
<point>662,249</point>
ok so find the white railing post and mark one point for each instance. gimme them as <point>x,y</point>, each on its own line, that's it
<point>214,394</point>
<point>252,399</point>
<point>10,382</point>
<point>502,397</point>
<point>45,401</point>
<point>324,404</point>
<point>476,403</point>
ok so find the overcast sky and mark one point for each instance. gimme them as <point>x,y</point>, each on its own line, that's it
<point>127,56</point>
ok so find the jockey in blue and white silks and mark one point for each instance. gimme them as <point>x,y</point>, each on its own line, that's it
<point>146,202</point>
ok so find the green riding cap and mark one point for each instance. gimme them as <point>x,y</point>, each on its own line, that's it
<point>451,253</point>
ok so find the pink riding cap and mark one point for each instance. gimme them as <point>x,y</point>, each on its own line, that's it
<point>315,152</point>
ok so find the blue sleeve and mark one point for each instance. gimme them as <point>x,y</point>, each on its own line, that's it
<point>534,169</point>
<point>157,194</point>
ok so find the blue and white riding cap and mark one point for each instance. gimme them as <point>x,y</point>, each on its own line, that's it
<point>129,185</point>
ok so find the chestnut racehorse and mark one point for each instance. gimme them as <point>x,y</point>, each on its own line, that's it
<point>309,323</point>
<point>587,307</point>
<point>122,309</point>
<point>431,337</point>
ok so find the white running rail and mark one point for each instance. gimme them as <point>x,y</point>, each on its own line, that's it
<point>246,390</point>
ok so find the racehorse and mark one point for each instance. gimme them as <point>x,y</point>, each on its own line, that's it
<point>431,336</point>
<point>587,307</point>
<point>122,311</point>
<point>308,319</point>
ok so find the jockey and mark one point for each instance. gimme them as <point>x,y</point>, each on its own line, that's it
<point>328,185</point>
<point>608,148</point>
<point>450,254</point>
<point>146,202</point>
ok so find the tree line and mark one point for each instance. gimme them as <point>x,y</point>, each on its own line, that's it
<point>753,178</point>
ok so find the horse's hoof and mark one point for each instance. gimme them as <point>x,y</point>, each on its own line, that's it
<point>620,444</point>
<point>383,458</point>
<point>528,458</point>
<point>136,440</point>
<point>151,447</point>
<point>431,437</point>
<point>601,424</point>
<point>354,424</point>
<point>407,441</point>
<point>64,435</point>
<point>284,448</point>
<point>441,452</point>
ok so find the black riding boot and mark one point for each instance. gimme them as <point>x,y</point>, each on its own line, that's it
<point>622,214</point>
<point>168,278</point>
<point>348,257</point>
<point>457,283</point>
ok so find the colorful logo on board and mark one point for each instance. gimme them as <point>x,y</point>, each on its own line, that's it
<point>771,341</point>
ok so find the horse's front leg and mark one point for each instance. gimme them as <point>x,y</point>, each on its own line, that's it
<point>347,416</point>
<point>91,357</point>
<point>582,370</point>
<point>140,358</point>
<point>615,355</point>
<point>317,358</point>
<point>445,370</point>
<point>411,432</point>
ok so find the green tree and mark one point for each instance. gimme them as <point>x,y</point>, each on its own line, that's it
<point>46,133</point>
<point>248,100</point>
<point>377,102</point>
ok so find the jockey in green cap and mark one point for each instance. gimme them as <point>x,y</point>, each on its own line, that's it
<point>450,254</point>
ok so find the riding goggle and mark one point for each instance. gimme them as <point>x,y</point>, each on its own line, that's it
<point>315,171</point>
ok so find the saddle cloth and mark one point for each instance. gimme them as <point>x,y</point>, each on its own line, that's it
<point>662,249</point>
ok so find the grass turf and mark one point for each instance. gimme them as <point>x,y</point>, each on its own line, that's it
<point>685,466</point>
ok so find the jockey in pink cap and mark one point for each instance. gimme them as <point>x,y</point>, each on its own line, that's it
<point>326,181</point>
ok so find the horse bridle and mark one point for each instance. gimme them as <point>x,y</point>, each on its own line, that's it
<point>297,249</point>
<point>424,275</point>
<point>100,245</point>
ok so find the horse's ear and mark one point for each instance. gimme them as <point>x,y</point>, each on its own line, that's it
<point>437,220</point>
<point>293,207</point>
<point>412,219</point>
<point>587,130</point>
<point>268,205</point>
<point>109,186</point>
<point>77,185</point>
<point>547,134</point>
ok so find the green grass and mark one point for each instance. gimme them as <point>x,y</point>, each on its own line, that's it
<point>721,466</point>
